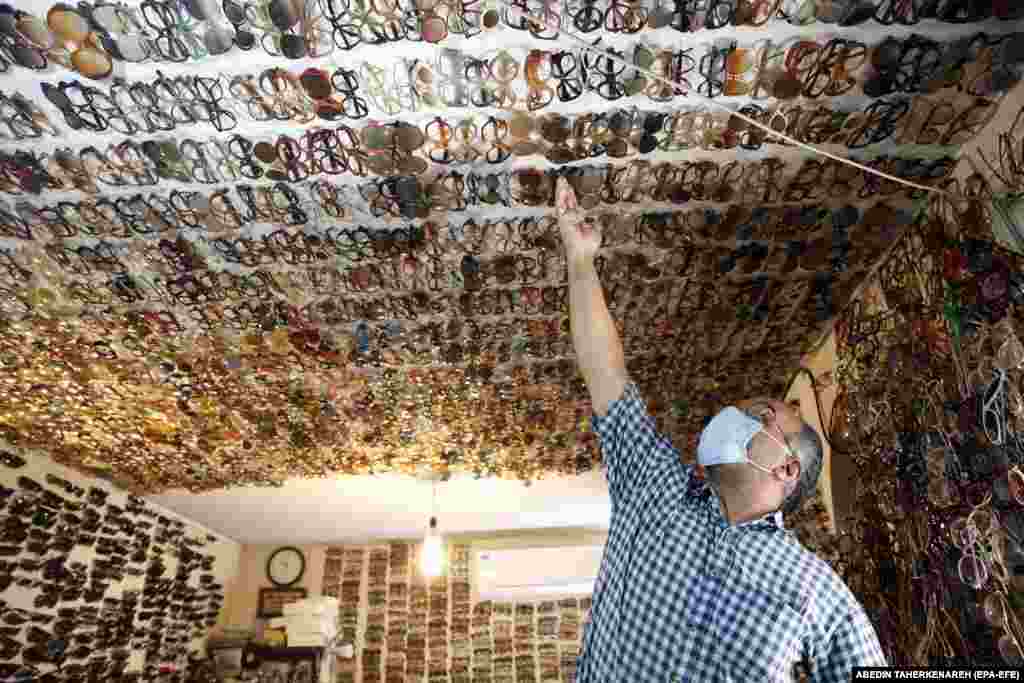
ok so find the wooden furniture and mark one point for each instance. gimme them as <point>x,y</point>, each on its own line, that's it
<point>273,599</point>
<point>256,654</point>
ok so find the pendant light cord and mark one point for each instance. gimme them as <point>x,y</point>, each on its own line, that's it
<point>433,504</point>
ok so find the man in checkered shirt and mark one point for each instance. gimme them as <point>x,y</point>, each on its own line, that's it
<point>699,581</point>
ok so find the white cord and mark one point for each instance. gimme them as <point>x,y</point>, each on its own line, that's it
<point>518,13</point>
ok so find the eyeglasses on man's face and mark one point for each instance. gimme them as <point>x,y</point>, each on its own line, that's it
<point>764,412</point>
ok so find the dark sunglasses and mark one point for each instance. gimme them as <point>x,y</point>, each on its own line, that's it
<point>66,485</point>
<point>11,459</point>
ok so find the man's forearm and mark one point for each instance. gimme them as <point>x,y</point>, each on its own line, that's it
<point>598,347</point>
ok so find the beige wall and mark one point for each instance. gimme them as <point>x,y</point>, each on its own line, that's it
<point>242,604</point>
<point>833,474</point>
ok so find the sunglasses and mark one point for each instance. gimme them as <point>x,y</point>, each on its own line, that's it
<point>19,617</point>
<point>11,459</point>
<point>68,487</point>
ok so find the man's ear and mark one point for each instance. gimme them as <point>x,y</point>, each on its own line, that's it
<point>791,470</point>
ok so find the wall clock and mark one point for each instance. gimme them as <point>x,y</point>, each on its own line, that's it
<point>286,566</point>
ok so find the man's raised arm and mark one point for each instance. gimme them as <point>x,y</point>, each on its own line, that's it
<point>598,347</point>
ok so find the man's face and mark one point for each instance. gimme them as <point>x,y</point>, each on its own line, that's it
<point>780,422</point>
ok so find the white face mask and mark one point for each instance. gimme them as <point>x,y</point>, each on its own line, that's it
<point>726,439</point>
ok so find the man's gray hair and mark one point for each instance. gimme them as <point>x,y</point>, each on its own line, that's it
<point>807,446</point>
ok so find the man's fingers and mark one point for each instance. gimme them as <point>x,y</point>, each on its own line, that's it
<point>561,202</point>
<point>565,198</point>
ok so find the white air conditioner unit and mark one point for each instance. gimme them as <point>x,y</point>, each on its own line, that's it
<point>540,573</point>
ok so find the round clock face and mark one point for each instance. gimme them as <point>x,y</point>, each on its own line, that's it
<point>286,566</point>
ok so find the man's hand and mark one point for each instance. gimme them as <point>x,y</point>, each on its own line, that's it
<point>581,240</point>
<point>598,349</point>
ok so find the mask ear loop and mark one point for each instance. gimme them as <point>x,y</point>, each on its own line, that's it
<point>785,447</point>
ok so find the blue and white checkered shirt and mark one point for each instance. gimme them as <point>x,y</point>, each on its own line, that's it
<point>684,596</point>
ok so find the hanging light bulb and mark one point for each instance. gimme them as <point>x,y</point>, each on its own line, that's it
<point>432,555</point>
<point>431,559</point>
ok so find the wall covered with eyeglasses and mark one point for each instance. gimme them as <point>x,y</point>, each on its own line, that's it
<point>926,432</point>
<point>98,584</point>
<point>407,626</point>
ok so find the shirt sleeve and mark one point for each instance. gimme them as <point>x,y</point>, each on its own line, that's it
<point>631,447</point>
<point>853,643</point>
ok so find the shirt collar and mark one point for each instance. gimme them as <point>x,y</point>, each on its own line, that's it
<point>698,490</point>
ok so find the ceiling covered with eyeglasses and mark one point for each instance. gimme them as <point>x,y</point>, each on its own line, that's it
<point>247,241</point>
